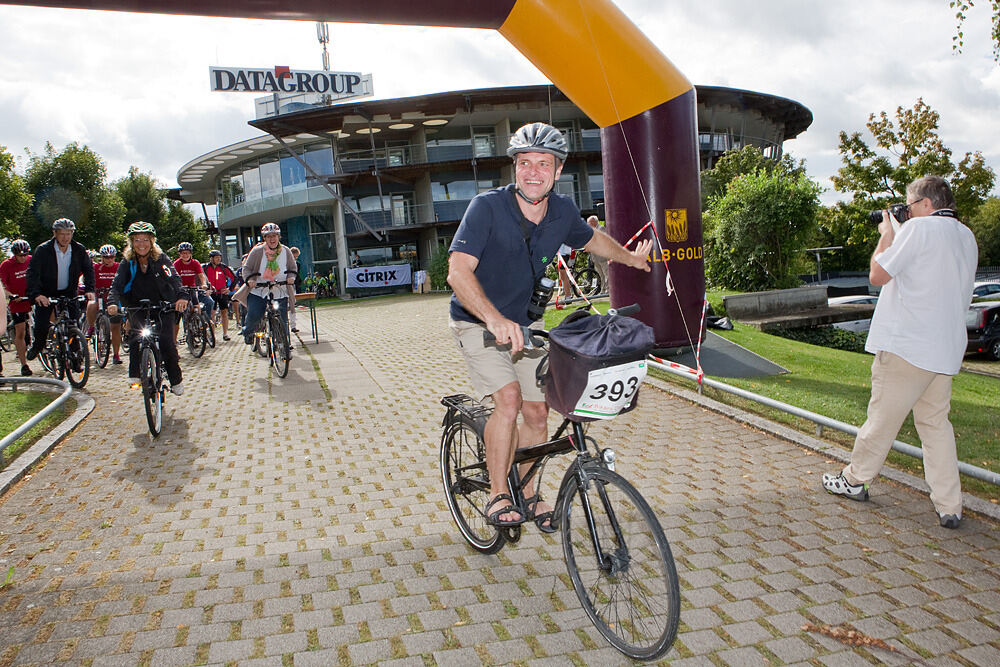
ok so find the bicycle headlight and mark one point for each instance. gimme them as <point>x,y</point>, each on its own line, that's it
<point>146,332</point>
<point>608,457</point>
<point>274,305</point>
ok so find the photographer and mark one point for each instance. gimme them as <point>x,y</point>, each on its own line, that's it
<point>927,268</point>
<point>506,240</point>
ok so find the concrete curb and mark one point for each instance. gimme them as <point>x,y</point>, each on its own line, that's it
<point>970,502</point>
<point>13,473</point>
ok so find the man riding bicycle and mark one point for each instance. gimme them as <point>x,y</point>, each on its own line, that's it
<point>270,261</point>
<point>14,277</point>
<point>506,240</point>
<point>54,271</point>
<point>104,275</point>
<point>221,279</point>
<point>147,273</point>
<point>192,275</point>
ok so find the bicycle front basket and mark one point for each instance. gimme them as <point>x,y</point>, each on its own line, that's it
<point>596,365</point>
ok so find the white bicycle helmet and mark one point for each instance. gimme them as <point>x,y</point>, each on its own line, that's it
<point>63,223</point>
<point>20,246</point>
<point>108,250</point>
<point>538,138</point>
<point>184,245</point>
<point>270,228</point>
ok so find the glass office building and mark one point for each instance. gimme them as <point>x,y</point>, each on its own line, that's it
<point>387,181</point>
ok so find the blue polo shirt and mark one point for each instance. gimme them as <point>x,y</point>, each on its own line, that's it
<point>491,232</point>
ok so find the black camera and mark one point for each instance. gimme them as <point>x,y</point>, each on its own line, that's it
<point>540,296</point>
<point>899,211</point>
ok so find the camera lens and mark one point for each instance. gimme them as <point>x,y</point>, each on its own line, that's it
<point>875,217</point>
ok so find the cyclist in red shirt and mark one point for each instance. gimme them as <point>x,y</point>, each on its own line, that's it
<point>104,275</point>
<point>14,275</point>
<point>221,279</point>
<point>192,275</point>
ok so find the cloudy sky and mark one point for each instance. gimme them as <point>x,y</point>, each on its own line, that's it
<point>135,87</point>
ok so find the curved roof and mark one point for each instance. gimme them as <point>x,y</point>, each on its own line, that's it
<point>197,177</point>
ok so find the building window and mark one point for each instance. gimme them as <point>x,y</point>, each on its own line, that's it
<point>484,142</point>
<point>270,176</point>
<point>293,174</point>
<point>251,180</point>
<point>320,160</point>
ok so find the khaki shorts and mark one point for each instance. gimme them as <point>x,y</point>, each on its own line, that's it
<point>491,367</point>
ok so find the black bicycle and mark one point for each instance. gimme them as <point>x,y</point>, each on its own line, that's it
<point>617,556</point>
<point>66,353</point>
<point>195,325</point>
<point>152,379</point>
<point>101,339</point>
<point>271,339</point>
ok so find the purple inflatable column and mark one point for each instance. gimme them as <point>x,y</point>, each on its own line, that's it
<point>651,172</point>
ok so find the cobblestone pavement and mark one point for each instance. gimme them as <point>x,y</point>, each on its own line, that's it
<point>301,522</point>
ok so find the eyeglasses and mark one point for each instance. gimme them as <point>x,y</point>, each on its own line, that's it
<point>914,203</point>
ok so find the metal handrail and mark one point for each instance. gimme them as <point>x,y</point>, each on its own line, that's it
<point>13,436</point>
<point>823,421</point>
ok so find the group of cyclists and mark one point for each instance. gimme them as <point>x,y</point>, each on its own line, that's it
<point>62,269</point>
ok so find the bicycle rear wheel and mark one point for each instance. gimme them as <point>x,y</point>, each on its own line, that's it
<point>629,587</point>
<point>76,359</point>
<point>588,281</point>
<point>152,391</point>
<point>278,345</point>
<point>102,340</point>
<point>261,341</point>
<point>50,362</point>
<point>193,335</point>
<point>467,485</point>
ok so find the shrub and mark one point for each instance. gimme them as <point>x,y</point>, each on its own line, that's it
<point>838,339</point>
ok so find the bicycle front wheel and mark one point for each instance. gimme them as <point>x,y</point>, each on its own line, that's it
<point>623,572</point>
<point>467,485</point>
<point>209,331</point>
<point>261,340</point>
<point>76,359</point>
<point>152,394</point>
<point>102,340</point>
<point>279,349</point>
<point>194,336</point>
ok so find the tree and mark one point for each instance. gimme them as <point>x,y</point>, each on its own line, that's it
<point>962,8</point>
<point>904,150</point>
<point>178,225</point>
<point>144,199</point>
<point>14,199</point>
<point>70,184</point>
<point>746,160</point>
<point>756,230</point>
<point>985,224</point>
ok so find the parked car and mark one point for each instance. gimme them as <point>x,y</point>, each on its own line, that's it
<point>983,325</point>
<point>857,326</point>
<point>986,289</point>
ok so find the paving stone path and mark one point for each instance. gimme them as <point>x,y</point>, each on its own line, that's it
<point>300,521</point>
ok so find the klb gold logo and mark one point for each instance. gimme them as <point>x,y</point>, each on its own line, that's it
<point>675,225</point>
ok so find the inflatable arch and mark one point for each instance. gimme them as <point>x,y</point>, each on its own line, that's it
<point>644,106</point>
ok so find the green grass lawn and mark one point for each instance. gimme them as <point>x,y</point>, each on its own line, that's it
<point>837,384</point>
<point>16,407</point>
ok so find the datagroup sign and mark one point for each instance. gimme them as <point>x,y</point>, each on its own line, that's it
<point>284,80</point>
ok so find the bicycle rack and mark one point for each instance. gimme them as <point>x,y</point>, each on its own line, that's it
<point>13,436</point>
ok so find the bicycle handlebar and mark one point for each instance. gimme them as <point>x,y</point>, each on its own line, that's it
<point>534,338</point>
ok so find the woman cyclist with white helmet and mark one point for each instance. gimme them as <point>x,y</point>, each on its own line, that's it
<point>269,261</point>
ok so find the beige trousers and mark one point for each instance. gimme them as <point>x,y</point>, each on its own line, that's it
<point>897,388</point>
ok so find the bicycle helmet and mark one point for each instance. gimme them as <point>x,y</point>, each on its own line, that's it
<point>214,253</point>
<point>108,250</point>
<point>270,228</point>
<point>63,223</point>
<point>538,138</point>
<point>184,245</point>
<point>20,246</point>
<point>140,227</point>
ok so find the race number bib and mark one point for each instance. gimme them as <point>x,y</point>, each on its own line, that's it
<point>610,390</point>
